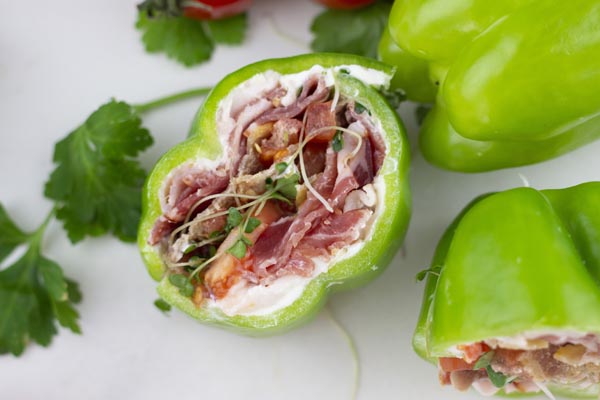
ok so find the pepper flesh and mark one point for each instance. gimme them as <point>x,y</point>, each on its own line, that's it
<point>513,263</point>
<point>355,270</point>
<point>514,76</point>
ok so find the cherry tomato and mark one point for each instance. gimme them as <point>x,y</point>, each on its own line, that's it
<point>345,4</point>
<point>214,9</point>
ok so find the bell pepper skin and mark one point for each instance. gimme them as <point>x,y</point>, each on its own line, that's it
<point>514,75</point>
<point>412,73</point>
<point>388,230</point>
<point>513,262</point>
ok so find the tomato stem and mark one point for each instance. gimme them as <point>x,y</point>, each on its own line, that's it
<point>173,98</point>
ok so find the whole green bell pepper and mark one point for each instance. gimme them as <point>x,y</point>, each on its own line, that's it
<point>512,263</point>
<point>353,77</point>
<point>517,79</point>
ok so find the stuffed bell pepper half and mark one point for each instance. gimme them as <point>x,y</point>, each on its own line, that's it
<point>512,301</point>
<point>293,183</point>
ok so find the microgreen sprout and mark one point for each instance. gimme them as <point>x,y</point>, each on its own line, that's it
<point>281,167</point>
<point>162,305</point>
<point>337,144</point>
<point>435,270</point>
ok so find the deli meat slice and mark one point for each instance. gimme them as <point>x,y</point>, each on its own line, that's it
<point>334,233</point>
<point>352,171</point>
<point>311,211</point>
<point>343,173</point>
<point>314,91</point>
<point>186,188</point>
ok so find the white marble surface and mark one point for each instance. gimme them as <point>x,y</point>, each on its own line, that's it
<point>61,59</point>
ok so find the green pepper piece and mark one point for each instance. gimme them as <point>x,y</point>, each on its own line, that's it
<point>412,73</point>
<point>441,145</point>
<point>439,30</point>
<point>518,79</point>
<point>387,231</point>
<point>513,262</point>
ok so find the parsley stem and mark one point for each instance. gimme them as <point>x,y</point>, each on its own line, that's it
<point>163,101</point>
<point>35,239</point>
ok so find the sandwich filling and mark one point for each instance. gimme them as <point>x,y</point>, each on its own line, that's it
<point>297,188</point>
<point>525,364</point>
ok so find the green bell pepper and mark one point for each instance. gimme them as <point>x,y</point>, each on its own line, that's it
<point>515,263</point>
<point>351,79</point>
<point>412,73</point>
<point>517,79</point>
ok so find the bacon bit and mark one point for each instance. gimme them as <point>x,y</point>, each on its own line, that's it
<point>473,351</point>
<point>450,364</point>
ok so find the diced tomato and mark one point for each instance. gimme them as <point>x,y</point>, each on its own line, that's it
<point>451,364</point>
<point>473,351</point>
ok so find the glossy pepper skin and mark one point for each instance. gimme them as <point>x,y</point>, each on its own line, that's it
<point>412,73</point>
<point>518,79</point>
<point>512,262</point>
<point>388,230</point>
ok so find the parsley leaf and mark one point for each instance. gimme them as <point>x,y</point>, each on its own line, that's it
<point>10,235</point>
<point>33,293</point>
<point>187,40</point>
<point>362,29</point>
<point>97,182</point>
<point>229,31</point>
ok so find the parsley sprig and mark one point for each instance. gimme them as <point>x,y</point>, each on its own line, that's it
<point>97,182</point>
<point>96,190</point>
<point>189,41</point>
<point>362,29</point>
<point>34,293</point>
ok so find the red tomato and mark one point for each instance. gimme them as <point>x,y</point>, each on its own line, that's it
<point>345,4</point>
<point>214,9</point>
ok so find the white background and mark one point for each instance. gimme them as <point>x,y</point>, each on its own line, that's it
<point>59,60</point>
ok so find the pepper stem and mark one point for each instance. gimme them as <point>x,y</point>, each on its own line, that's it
<point>163,101</point>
